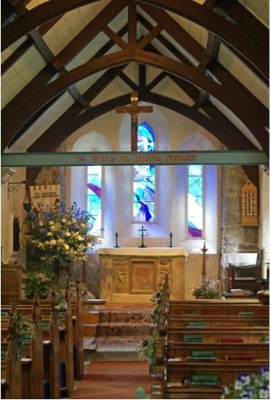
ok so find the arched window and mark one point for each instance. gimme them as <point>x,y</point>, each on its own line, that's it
<point>195,201</point>
<point>94,196</point>
<point>144,179</point>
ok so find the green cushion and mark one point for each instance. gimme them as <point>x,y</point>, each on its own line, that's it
<point>204,378</point>
<point>192,338</point>
<point>202,353</point>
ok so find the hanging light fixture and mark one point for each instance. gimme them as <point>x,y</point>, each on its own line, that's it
<point>27,201</point>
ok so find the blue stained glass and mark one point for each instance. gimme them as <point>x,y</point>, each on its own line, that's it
<point>94,204</point>
<point>195,201</point>
<point>145,138</point>
<point>144,179</point>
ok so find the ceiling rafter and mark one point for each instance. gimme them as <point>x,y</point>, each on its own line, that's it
<point>230,34</point>
<point>110,60</point>
<point>256,117</point>
<point>38,16</point>
<point>216,69</point>
<point>70,50</point>
<point>246,21</point>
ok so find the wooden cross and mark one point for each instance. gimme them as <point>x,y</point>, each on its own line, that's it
<point>134,109</point>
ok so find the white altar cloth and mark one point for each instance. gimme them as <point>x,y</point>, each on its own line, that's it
<point>144,251</point>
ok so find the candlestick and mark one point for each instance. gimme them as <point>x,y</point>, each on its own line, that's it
<point>204,250</point>
<point>117,235</point>
<point>170,239</point>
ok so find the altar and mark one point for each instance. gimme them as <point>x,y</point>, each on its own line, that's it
<point>132,275</point>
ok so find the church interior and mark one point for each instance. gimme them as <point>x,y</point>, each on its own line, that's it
<point>135,196</point>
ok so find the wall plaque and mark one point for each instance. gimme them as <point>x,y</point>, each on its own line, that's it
<point>249,205</point>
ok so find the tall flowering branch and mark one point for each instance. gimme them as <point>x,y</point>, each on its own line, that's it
<point>59,235</point>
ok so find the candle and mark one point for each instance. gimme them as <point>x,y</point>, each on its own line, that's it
<point>264,265</point>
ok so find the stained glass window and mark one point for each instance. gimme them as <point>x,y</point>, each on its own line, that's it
<point>195,201</point>
<point>94,194</point>
<point>144,179</point>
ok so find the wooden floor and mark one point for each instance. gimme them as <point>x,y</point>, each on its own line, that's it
<point>113,380</point>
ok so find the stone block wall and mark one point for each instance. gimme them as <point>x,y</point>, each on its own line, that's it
<point>235,238</point>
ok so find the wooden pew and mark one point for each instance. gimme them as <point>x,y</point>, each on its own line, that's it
<point>75,362</point>
<point>78,337</point>
<point>27,367</point>
<point>216,340</point>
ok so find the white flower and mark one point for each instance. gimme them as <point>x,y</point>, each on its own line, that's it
<point>49,234</point>
<point>51,223</point>
<point>53,242</point>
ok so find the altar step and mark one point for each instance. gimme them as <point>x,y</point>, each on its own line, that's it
<point>116,329</point>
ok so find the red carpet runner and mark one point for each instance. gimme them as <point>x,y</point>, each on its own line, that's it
<point>113,380</point>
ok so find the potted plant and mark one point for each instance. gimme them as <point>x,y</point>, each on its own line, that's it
<point>37,282</point>
<point>207,290</point>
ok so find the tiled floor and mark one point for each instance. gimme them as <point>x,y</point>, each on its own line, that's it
<point>113,380</point>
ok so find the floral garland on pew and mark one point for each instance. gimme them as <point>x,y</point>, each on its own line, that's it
<point>147,348</point>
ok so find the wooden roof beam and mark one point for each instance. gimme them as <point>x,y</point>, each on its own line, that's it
<point>232,35</point>
<point>78,43</point>
<point>38,16</point>
<point>110,60</point>
<point>221,74</point>
<point>211,54</point>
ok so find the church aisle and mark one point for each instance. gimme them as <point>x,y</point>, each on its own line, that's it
<point>113,380</point>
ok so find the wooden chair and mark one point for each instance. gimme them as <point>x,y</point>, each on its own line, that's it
<point>246,277</point>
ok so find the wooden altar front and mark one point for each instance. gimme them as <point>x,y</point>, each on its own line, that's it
<point>132,275</point>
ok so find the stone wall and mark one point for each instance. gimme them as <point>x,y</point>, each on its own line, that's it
<point>235,238</point>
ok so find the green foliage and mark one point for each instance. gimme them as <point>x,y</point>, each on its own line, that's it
<point>249,386</point>
<point>22,329</point>
<point>207,289</point>
<point>61,305</point>
<point>147,348</point>
<point>37,282</point>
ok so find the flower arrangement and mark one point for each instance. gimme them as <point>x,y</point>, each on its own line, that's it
<point>61,306</point>
<point>249,386</point>
<point>59,235</point>
<point>37,282</point>
<point>207,289</point>
<point>22,330</point>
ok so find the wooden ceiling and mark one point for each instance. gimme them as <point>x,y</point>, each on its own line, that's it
<point>61,57</point>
